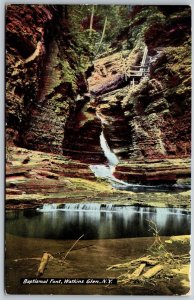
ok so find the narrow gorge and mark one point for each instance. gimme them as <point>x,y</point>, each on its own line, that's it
<point>98,116</point>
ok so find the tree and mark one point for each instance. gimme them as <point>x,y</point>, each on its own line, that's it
<point>96,26</point>
<point>103,32</point>
<point>91,20</point>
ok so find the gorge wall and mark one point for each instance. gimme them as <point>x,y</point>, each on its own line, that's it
<point>52,107</point>
<point>45,71</point>
<point>147,122</point>
<point>157,110</point>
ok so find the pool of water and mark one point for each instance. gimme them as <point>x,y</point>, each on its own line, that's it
<point>96,221</point>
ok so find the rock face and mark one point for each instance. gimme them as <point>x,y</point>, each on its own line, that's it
<point>151,119</point>
<point>84,128</point>
<point>82,134</point>
<point>110,72</point>
<point>35,177</point>
<point>44,75</point>
<point>154,171</point>
<point>144,118</point>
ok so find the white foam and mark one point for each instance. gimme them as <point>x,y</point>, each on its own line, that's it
<point>111,157</point>
<point>109,207</point>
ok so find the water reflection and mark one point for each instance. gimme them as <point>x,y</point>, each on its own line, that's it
<point>115,222</point>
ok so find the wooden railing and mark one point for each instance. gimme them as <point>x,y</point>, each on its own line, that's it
<point>138,72</point>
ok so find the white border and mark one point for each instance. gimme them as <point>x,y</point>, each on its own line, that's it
<point>2,68</point>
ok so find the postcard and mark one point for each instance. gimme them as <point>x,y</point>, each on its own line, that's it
<point>98,149</point>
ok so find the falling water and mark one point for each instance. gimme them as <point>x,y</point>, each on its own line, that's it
<point>105,171</point>
<point>102,171</point>
<point>111,157</point>
<point>109,207</point>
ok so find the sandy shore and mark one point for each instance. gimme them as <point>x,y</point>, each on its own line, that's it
<point>89,259</point>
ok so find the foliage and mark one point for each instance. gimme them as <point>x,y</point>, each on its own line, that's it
<point>141,18</point>
<point>89,36</point>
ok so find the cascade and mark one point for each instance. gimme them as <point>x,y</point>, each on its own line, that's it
<point>124,209</point>
<point>111,157</point>
<point>105,171</point>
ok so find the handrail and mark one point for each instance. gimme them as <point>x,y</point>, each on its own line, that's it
<point>144,56</point>
<point>139,66</point>
<point>143,59</point>
<point>142,70</point>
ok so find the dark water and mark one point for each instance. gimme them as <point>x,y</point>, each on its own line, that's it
<point>96,221</point>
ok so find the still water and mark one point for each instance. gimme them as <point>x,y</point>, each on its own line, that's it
<point>96,221</point>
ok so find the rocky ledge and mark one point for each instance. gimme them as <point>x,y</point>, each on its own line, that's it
<point>34,178</point>
<point>155,171</point>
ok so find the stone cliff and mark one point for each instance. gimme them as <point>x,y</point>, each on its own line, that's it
<point>45,71</point>
<point>139,93</point>
<point>148,119</point>
<point>156,110</point>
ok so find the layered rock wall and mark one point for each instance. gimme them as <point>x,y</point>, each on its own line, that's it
<point>25,52</point>
<point>151,119</point>
<point>143,118</point>
<point>155,113</point>
<point>82,134</point>
<point>45,71</point>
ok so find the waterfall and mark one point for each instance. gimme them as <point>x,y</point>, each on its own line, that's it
<point>105,171</point>
<point>109,207</point>
<point>111,157</point>
<point>49,207</point>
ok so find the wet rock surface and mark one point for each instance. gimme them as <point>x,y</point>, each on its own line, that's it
<point>82,133</point>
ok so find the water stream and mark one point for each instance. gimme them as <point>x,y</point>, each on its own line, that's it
<point>106,171</point>
<point>112,158</point>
